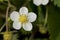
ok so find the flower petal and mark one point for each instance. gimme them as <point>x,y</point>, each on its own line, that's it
<point>14,16</point>
<point>27,26</point>
<point>32,17</point>
<point>37,2</point>
<point>45,2</point>
<point>17,25</point>
<point>23,10</point>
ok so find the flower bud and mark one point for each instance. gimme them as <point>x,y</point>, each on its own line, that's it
<point>43,30</point>
<point>7,35</point>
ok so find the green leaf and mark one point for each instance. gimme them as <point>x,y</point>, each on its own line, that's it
<point>15,37</point>
<point>40,17</point>
<point>58,37</point>
<point>57,2</point>
<point>1,0</point>
<point>54,22</point>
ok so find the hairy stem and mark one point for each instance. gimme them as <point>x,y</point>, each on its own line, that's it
<point>7,15</point>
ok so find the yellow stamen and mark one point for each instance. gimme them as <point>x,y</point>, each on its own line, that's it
<point>23,18</point>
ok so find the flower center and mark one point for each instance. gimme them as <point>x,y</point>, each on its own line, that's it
<point>23,18</point>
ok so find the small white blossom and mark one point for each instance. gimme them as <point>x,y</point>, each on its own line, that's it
<point>40,2</point>
<point>23,19</point>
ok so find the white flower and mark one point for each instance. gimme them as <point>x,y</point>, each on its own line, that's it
<point>39,2</point>
<point>23,19</point>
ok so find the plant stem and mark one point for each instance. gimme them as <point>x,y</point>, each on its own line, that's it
<point>2,27</point>
<point>7,15</point>
<point>46,17</point>
<point>39,9</point>
<point>40,16</point>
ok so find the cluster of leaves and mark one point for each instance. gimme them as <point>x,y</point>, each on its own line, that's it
<point>53,24</point>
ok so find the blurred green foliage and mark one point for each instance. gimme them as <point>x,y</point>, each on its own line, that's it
<point>52,26</point>
<point>54,22</point>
